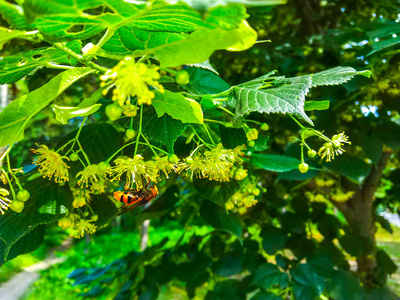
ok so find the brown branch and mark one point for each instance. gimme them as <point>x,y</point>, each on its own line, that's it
<point>371,183</point>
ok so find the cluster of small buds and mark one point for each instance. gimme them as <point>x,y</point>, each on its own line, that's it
<point>244,198</point>
<point>77,225</point>
<point>334,147</point>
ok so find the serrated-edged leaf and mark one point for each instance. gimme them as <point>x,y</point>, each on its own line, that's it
<point>14,117</point>
<point>227,17</point>
<point>227,266</point>
<point>382,45</point>
<point>262,295</point>
<point>268,275</point>
<point>43,193</point>
<point>15,67</point>
<point>178,107</point>
<point>191,50</point>
<point>316,105</point>
<point>27,243</point>
<point>205,65</point>
<point>164,130</point>
<point>203,82</point>
<point>218,218</point>
<point>218,192</point>
<point>57,21</point>
<point>307,283</point>
<point>275,163</point>
<point>285,95</point>
<point>64,113</point>
<point>335,76</point>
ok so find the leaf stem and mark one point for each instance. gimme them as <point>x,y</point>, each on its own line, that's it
<point>140,129</point>
<point>109,33</point>
<point>226,124</point>
<point>208,133</point>
<point>148,144</point>
<point>226,110</point>
<point>9,182</point>
<point>78,57</point>
<point>298,123</point>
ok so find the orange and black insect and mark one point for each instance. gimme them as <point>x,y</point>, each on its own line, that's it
<point>134,198</point>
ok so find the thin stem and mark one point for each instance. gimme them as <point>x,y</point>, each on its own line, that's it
<point>148,144</point>
<point>83,152</point>
<point>9,183</point>
<point>109,33</point>
<point>255,122</point>
<point>226,110</point>
<point>140,129</point>
<point>223,94</point>
<point>173,72</point>
<point>131,123</point>
<point>12,173</point>
<point>200,139</point>
<point>79,57</point>
<point>302,152</point>
<point>76,137</point>
<point>226,124</point>
<point>298,123</point>
<point>140,143</point>
<point>56,66</point>
<point>65,145</point>
<point>208,133</point>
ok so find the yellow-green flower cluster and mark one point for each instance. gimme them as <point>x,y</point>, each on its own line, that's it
<point>244,198</point>
<point>51,164</point>
<point>136,171</point>
<point>334,147</point>
<point>132,79</point>
<point>216,164</point>
<point>91,178</point>
<point>4,201</point>
<point>77,225</point>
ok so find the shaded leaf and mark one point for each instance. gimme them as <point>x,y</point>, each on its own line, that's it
<point>218,218</point>
<point>352,167</point>
<point>343,285</point>
<point>64,113</point>
<point>275,163</point>
<point>203,82</point>
<point>316,105</point>
<point>308,284</point>
<point>268,275</point>
<point>218,192</point>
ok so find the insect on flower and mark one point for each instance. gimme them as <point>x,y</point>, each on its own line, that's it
<point>134,198</point>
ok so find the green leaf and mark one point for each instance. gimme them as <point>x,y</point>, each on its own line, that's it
<point>191,50</point>
<point>64,113</point>
<point>228,266</point>
<point>296,175</point>
<point>308,284</point>
<point>48,203</point>
<point>28,243</point>
<point>343,285</point>
<point>352,167</point>
<point>14,15</point>
<point>227,17</point>
<point>273,241</point>
<point>8,34</point>
<point>164,130</point>
<point>105,208</point>
<point>218,192</point>
<point>218,218</point>
<point>275,163</point>
<point>15,67</point>
<point>285,95</point>
<point>322,263</point>
<point>178,107</point>
<point>268,275</point>
<point>162,205</point>
<point>385,262</point>
<point>92,99</point>
<point>262,295</point>
<point>384,44</point>
<point>16,115</point>
<point>316,105</point>
<point>337,75</point>
<point>203,82</point>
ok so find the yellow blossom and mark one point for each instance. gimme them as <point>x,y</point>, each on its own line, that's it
<point>162,164</point>
<point>89,176</point>
<point>218,163</point>
<point>51,164</point>
<point>4,201</point>
<point>81,226</point>
<point>135,169</point>
<point>196,167</point>
<point>132,79</point>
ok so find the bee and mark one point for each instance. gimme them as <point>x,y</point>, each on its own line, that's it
<point>134,198</point>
